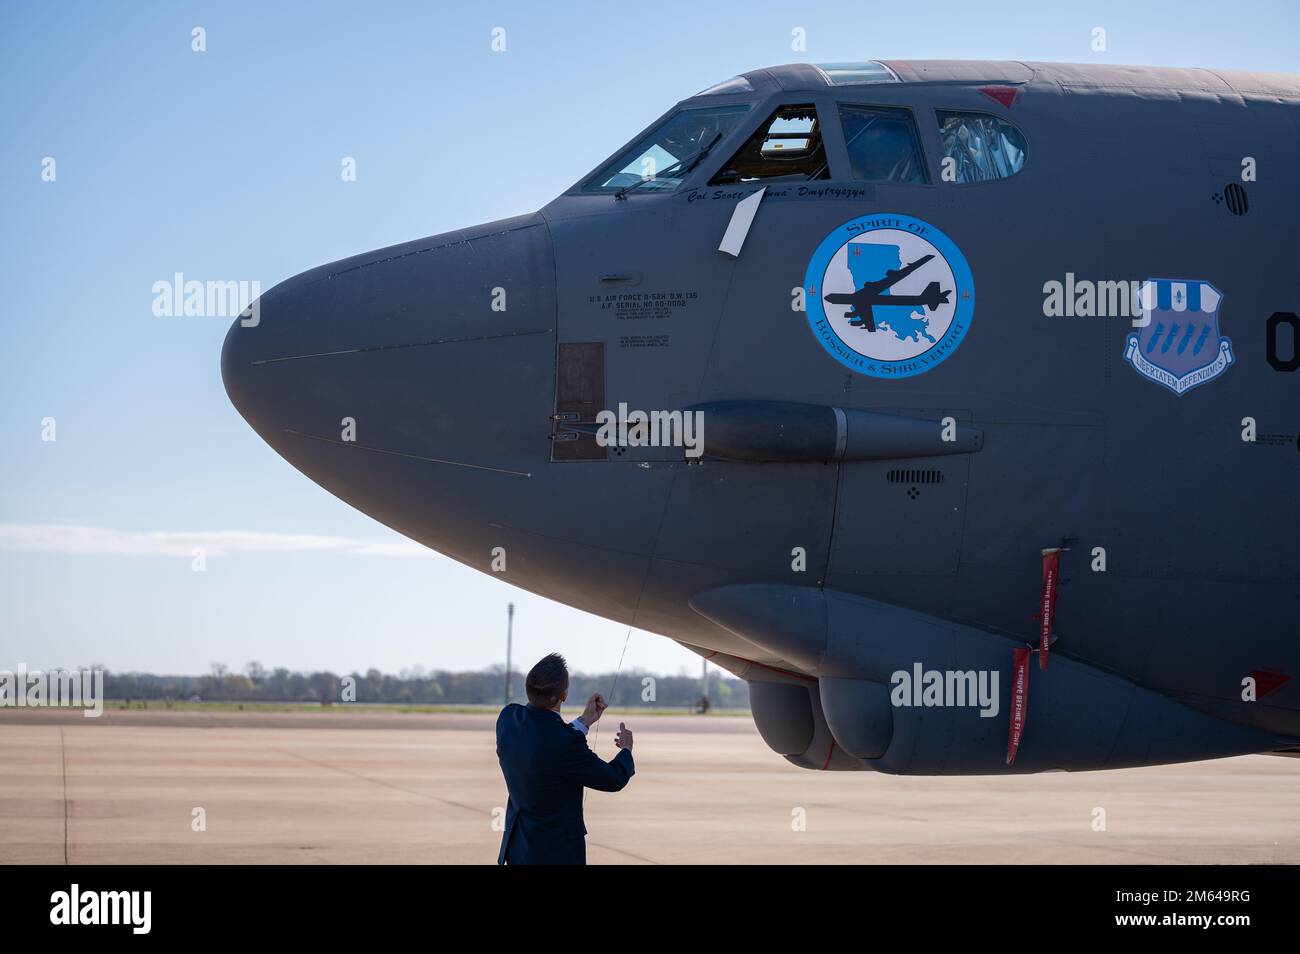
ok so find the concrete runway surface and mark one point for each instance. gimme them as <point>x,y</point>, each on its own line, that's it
<point>352,787</point>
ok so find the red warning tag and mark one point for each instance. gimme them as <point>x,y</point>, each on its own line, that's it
<point>1051,566</point>
<point>1019,701</point>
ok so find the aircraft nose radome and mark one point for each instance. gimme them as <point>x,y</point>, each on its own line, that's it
<point>409,373</point>
<point>248,345</point>
<point>236,371</point>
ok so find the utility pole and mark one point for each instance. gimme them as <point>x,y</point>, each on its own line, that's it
<point>510,626</point>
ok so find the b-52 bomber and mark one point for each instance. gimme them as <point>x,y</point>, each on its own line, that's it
<point>1049,520</point>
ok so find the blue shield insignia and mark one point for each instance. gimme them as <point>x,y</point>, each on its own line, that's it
<point>1177,343</point>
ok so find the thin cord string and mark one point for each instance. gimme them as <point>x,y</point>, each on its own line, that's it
<point>609,700</point>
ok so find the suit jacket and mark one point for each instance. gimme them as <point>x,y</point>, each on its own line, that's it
<point>547,763</point>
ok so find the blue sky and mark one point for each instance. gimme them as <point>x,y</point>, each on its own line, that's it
<point>225,165</point>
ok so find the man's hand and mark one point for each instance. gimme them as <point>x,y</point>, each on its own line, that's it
<point>595,706</point>
<point>624,738</point>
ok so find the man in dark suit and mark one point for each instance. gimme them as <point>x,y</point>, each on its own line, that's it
<point>547,764</point>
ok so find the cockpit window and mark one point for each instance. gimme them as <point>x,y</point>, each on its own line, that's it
<point>787,146</point>
<point>882,145</point>
<point>661,158</point>
<point>978,147</point>
<point>852,74</point>
<point>737,84</point>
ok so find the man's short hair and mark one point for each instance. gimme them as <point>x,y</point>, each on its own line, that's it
<point>547,681</point>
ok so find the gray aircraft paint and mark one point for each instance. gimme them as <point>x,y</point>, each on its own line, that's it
<point>917,550</point>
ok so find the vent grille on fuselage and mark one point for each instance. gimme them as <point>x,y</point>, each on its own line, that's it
<point>1235,196</point>
<point>915,476</point>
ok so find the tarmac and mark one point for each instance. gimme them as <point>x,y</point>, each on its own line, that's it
<point>340,787</point>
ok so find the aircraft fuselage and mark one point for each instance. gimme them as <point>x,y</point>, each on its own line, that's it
<point>473,364</point>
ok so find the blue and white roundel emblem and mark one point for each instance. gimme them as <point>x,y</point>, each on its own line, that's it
<point>889,295</point>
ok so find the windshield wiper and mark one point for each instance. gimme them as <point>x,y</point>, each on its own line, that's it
<point>686,164</point>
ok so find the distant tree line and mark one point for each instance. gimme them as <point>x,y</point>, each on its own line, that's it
<point>418,687</point>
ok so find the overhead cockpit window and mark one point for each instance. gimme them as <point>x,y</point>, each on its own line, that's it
<point>882,144</point>
<point>851,74</point>
<point>981,147</point>
<point>662,158</point>
<point>737,84</point>
<point>787,146</point>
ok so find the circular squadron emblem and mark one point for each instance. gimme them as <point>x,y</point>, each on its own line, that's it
<point>889,295</point>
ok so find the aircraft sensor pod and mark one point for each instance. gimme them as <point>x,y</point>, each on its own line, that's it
<point>787,432</point>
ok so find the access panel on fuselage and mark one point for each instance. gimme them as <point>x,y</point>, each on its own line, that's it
<point>643,277</point>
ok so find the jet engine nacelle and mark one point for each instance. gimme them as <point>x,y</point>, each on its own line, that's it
<point>790,718</point>
<point>907,693</point>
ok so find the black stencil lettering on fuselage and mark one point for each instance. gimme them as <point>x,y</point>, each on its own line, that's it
<point>1273,330</point>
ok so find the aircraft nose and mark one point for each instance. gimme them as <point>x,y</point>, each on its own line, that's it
<point>413,363</point>
<point>241,352</point>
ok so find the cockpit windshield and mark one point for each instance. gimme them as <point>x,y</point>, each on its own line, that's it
<point>665,150</point>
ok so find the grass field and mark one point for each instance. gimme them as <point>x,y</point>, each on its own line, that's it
<point>467,708</point>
